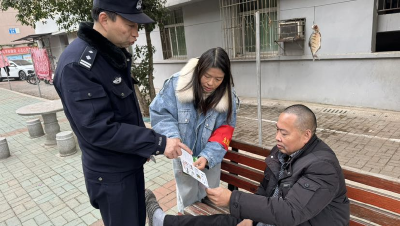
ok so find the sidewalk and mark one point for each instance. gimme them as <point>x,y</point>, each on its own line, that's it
<point>37,187</point>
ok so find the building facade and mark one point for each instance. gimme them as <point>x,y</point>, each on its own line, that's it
<point>55,41</point>
<point>359,56</point>
<point>12,30</point>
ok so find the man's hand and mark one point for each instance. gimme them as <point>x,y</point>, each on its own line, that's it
<point>245,222</point>
<point>186,148</point>
<point>200,163</point>
<point>219,196</point>
<point>173,148</point>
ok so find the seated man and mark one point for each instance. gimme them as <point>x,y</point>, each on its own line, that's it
<point>303,184</point>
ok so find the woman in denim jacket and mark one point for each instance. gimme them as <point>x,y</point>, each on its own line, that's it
<point>198,106</point>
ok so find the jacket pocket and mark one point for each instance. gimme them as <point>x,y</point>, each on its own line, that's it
<point>307,190</point>
<point>183,122</point>
<point>89,93</point>
<point>122,101</point>
<point>121,90</point>
<point>87,104</point>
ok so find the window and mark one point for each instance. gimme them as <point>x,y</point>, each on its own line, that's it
<point>388,6</point>
<point>239,27</point>
<point>173,36</point>
<point>387,41</point>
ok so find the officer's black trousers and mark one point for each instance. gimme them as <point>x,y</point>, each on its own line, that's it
<point>119,196</point>
<point>214,220</point>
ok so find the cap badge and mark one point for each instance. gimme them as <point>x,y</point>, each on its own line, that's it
<point>139,5</point>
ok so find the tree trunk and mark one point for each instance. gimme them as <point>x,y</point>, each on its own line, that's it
<point>152,91</point>
<point>142,102</point>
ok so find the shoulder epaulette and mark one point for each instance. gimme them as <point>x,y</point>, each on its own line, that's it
<point>87,58</point>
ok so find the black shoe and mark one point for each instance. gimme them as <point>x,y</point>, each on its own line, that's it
<point>151,205</point>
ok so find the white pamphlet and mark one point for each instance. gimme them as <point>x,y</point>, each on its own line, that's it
<point>189,168</point>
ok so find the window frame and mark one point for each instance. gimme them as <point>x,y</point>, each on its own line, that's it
<point>242,25</point>
<point>167,38</point>
<point>235,29</point>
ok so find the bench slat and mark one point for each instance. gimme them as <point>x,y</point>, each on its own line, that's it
<point>222,210</point>
<point>374,199</point>
<point>239,182</point>
<point>242,170</point>
<point>355,223</point>
<point>193,210</point>
<point>372,181</point>
<point>246,160</point>
<point>254,149</point>
<point>199,208</point>
<point>371,214</point>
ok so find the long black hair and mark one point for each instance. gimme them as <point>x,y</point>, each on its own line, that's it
<point>212,58</point>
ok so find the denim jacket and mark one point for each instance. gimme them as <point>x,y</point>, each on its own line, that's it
<point>173,114</point>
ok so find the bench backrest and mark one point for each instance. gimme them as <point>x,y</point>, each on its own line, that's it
<point>372,198</point>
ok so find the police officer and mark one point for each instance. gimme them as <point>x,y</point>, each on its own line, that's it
<point>94,83</point>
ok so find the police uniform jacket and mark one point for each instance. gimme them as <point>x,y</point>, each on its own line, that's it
<point>312,190</point>
<point>94,83</point>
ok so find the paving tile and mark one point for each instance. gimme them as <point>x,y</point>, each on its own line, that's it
<point>45,206</point>
<point>76,222</point>
<point>19,209</point>
<point>70,215</point>
<point>30,214</point>
<point>59,221</point>
<point>30,222</point>
<point>14,221</point>
<point>61,209</point>
<point>72,203</point>
<point>7,214</point>
<point>41,219</point>
<point>83,209</point>
<point>89,219</point>
<point>4,206</point>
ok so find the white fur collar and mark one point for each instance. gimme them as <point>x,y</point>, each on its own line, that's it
<point>185,76</point>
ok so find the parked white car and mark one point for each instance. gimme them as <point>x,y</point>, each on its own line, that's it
<point>19,69</point>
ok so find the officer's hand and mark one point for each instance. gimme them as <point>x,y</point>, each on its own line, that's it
<point>246,222</point>
<point>200,163</point>
<point>173,148</point>
<point>186,148</point>
<point>219,196</point>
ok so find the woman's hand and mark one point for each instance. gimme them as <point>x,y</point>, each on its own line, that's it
<point>200,163</point>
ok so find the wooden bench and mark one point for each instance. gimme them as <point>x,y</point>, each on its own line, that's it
<point>374,199</point>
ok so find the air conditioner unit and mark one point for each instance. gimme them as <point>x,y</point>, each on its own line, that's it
<point>291,30</point>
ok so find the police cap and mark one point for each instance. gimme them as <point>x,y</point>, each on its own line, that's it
<point>128,9</point>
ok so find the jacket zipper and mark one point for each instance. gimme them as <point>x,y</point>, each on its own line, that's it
<point>198,126</point>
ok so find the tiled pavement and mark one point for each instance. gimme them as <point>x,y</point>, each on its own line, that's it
<point>37,187</point>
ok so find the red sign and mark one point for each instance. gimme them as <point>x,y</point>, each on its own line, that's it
<point>16,51</point>
<point>41,63</point>
<point>3,60</point>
